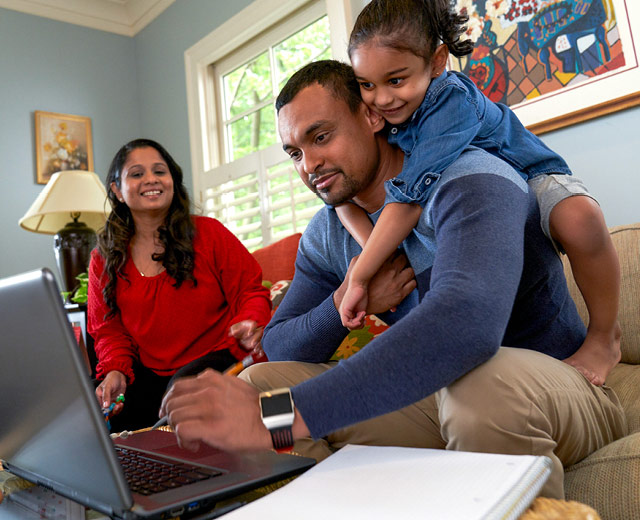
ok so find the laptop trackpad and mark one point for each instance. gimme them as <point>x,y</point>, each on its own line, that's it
<point>165,443</point>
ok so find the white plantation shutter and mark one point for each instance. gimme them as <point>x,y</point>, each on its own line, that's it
<point>259,197</point>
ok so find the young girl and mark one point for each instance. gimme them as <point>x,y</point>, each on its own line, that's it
<point>432,116</point>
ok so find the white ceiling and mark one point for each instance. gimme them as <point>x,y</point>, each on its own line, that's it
<point>126,17</point>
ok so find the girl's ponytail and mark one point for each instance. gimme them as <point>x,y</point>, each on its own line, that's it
<point>451,26</point>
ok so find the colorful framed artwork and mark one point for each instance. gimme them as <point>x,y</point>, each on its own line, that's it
<point>554,62</point>
<point>63,142</point>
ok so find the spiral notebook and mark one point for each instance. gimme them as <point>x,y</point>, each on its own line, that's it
<point>382,482</point>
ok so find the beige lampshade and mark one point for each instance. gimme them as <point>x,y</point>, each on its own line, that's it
<point>68,192</point>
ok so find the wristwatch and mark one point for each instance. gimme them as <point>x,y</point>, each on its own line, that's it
<point>276,410</point>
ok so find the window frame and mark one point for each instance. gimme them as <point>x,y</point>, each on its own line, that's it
<point>202,104</point>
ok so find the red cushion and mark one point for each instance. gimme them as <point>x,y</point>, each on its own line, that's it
<point>277,260</point>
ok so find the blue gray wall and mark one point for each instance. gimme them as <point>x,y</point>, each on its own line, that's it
<point>55,67</point>
<point>132,87</point>
<point>129,87</point>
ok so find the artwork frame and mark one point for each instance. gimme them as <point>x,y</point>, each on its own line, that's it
<point>63,142</point>
<point>606,75</point>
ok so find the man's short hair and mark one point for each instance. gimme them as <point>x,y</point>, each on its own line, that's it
<point>331,74</point>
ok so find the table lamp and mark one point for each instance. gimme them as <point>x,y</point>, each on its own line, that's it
<point>68,196</point>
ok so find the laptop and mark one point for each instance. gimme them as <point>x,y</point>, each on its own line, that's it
<point>53,433</point>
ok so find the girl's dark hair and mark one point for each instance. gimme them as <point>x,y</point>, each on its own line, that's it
<point>417,26</point>
<point>176,234</point>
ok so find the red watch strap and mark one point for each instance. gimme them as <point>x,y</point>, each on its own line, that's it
<point>282,439</point>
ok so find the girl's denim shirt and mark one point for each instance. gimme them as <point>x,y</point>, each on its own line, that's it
<point>453,115</point>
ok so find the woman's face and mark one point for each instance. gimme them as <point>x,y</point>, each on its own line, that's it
<point>146,184</point>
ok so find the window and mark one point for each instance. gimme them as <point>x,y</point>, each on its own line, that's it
<point>241,175</point>
<point>248,91</point>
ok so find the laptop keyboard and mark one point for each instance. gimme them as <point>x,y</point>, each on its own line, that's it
<point>148,475</point>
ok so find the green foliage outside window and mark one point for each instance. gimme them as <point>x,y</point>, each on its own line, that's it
<point>250,90</point>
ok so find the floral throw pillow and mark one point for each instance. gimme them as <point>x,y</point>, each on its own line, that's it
<point>353,342</point>
<point>357,339</point>
<point>278,290</point>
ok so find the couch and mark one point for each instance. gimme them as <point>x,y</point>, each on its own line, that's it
<point>608,479</point>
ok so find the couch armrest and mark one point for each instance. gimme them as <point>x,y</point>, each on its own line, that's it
<point>626,240</point>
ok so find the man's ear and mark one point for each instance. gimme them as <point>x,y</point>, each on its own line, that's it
<point>376,121</point>
<point>439,60</point>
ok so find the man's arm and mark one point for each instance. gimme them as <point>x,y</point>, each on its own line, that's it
<point>307,326</point>
<point>479,224</point>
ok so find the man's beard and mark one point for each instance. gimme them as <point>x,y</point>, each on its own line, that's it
<point>350,189</point>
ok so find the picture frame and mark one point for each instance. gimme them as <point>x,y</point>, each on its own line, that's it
<point>554,62</point>
<point>63,142</point>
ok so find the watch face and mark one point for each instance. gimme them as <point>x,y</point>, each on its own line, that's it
<point>276,404</point>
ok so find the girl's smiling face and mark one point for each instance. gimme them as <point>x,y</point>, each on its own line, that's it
<point>394,82</point>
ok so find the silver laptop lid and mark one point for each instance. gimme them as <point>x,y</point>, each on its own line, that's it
<point>51,428</point>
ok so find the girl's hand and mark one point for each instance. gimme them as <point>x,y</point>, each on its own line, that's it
<point>353,307</point>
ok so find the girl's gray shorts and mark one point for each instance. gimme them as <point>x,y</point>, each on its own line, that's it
<point>551,189</point>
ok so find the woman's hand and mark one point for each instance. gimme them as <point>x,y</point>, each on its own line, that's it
<point>248,334</point>
<point>114,384</point>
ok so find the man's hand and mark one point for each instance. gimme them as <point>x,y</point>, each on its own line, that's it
<point>114,384</point>
<point>219,410</point>
<point>248,335</point>
<point>391,284</point>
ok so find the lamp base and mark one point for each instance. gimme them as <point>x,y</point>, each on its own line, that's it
<point>72,246</point>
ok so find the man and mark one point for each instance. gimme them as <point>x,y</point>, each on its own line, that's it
<point>485,276</point>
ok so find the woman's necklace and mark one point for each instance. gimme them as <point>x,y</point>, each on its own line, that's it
<point>143,252</point>
<point>152,267</point>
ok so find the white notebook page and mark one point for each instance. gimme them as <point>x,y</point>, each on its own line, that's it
<point>373,482</point>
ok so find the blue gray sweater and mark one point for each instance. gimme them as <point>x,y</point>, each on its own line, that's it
<point>487,276</point>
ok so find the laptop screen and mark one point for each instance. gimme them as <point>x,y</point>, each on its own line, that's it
<point>53,432</point>
<point>51,426</point>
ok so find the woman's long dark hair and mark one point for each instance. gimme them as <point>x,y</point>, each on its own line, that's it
<point>176,234</point>
<point>417,26</point>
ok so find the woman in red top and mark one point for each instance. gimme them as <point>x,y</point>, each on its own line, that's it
<point>170,294</point>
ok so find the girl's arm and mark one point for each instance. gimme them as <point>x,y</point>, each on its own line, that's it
<point>355,221</point>
<point>394,225</point>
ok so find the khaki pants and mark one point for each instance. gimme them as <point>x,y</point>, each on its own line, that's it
<point>518,402</point>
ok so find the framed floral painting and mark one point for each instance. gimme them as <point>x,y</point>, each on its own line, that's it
<point>554,62</point>
<point>63,142</point>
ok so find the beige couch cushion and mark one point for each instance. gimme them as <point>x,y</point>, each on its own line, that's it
<point>608,480</point>
<point>626,240</point>
<point>625,380</point>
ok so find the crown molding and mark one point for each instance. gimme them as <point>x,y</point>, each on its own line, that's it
<point>125,17</point>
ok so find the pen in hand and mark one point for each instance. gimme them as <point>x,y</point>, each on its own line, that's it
<point>247,361</point>
<point>233,370</point>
